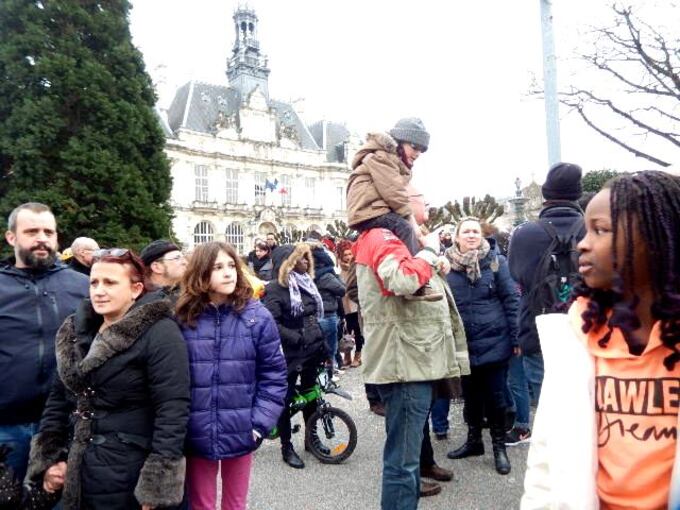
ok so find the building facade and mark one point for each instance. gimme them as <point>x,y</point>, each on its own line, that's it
<point>244,164</point>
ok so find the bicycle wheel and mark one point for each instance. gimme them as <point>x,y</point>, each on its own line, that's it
<point>331,435</point>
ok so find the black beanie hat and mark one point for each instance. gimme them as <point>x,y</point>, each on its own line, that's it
<point>156,249</point>
<point>563,182</point>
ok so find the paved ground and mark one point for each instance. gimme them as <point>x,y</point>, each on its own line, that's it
<point>356,483</point>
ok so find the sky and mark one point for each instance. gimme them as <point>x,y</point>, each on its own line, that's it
<point>465,68</point>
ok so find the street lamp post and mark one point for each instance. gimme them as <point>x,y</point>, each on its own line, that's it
<point>552,114</point>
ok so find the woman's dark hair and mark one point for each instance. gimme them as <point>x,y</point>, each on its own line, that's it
<point>648,201</point>
<point>195,288</point>
<point>263,246</point>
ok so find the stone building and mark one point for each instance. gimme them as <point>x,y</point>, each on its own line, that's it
<point>244,164</point>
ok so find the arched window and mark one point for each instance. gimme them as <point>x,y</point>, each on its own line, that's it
<point>234,236</point>
<point>203,233</point>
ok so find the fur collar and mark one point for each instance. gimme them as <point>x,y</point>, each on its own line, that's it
<point>384,141</point>
<point>71,364</point>
<point>376,142</point>
<point>301,250</point>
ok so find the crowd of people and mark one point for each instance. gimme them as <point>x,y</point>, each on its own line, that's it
<point>134,381</point>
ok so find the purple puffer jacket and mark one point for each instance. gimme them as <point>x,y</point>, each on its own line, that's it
<point>238,380</point>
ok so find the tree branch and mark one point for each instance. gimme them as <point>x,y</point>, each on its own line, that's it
<point>611,138</point>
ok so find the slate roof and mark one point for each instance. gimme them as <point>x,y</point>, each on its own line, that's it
<point>336,134</point>
<point>196,107</point>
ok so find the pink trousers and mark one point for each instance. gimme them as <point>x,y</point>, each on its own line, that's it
<point>202,482</point>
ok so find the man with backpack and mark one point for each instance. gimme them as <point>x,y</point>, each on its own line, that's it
<point>543,260</point>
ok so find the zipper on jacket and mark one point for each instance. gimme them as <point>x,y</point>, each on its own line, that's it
<point>41,340</point>
<point>215,383</point>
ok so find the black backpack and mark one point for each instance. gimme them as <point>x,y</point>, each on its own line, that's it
<point>557,271</point>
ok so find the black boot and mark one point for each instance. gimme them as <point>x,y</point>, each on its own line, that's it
<point>290,457</point>
<point>473,445</point>
<point>500,456</point>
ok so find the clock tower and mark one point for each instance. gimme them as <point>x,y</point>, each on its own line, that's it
<point>247,66</point>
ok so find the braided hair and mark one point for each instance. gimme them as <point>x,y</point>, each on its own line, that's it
<point>650,202</point>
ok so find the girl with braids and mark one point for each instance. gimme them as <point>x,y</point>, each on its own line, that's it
<point>605,433</point>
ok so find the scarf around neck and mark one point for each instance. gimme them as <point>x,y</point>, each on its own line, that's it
<point>468,261</point>
<point>304,282</point>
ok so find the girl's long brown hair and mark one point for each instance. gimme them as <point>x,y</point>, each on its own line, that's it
<point>195,287</point>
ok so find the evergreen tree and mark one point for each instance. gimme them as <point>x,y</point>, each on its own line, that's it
<point>594,180</point>
<point>77,126</point>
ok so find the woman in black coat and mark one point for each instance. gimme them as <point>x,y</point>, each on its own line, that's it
<point>112,433</point>
<point>261,264</point>
<point>332,290</point>
<point>296,305</point>
<point>487,300</point>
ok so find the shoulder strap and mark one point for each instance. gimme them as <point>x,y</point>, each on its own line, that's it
<point>549,228</point>
<point>575,228</point>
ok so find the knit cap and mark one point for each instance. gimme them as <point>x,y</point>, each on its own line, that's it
<point>156,249</point>
<point>411,130</point>
<point>563,182</point>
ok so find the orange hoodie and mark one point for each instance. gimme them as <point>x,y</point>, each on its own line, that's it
<point>636,404</point>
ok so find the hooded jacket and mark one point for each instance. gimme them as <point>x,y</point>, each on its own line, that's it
<point>32,307</point>
<point>330,286</point>
<point>301,337</point>
<point>406,341</point>
<point>377,184</point>
<point>117,413</point>
<point>238,379</point>
<point>528,243</point>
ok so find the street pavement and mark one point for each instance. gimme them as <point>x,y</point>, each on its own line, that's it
<point>355,484</point>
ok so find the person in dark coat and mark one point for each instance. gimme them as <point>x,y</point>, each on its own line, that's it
<point>528,244</point>
<point>37,293</point>
<point>238,375</point>
<point>82,249</point>
<point>261,264</point>
<point>332,289</point>
<point>112,433</point>
<point>487,301</point>
<point>296,305</point>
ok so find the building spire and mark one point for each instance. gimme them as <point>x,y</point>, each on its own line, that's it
<point>247,66</point>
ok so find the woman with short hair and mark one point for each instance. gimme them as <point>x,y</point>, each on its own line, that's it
<point>112,432</point>
<point>261,264</point>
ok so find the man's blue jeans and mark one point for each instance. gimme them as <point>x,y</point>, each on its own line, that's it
<point>440,415</point>
<point>519,390</point>
<point>329,326</point>
<point>533,370</point>
<point>18,438</point>
<point>406,408</point>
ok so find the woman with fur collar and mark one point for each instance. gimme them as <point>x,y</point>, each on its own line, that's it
<point>112,433</point>
<point>296,305</point>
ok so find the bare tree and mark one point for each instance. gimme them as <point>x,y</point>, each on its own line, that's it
<point>635,102</point>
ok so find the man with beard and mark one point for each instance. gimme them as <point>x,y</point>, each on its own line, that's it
<point>36,294</point>
<point>165,264</point>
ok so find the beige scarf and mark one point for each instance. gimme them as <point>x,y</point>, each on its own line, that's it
<point>468,261</point>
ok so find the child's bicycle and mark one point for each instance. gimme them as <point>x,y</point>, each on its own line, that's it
<point>330,433</point>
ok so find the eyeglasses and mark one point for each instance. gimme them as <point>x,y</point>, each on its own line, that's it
<point>111,252</point>
<point>119,253</point>
<point>176,257</point>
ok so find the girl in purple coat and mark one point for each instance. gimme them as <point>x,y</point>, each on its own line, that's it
<point>238,375</point>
